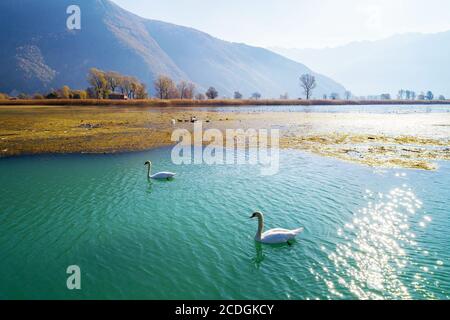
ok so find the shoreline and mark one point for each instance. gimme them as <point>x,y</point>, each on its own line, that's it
<point>413,140</point>
<point>211,103</point>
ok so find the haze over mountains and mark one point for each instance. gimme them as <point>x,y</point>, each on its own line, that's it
<point>418,62</point>
<point>39,53</point>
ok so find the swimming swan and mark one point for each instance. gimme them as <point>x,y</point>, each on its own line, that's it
<point>159,175</point>
<point>274,236</point>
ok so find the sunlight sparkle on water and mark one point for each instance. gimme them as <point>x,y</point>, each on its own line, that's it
<point>375,256</point>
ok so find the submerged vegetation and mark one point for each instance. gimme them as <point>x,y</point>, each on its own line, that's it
<point>375,150</point>
<point>369,139</point>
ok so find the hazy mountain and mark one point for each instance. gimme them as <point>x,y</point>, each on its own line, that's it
<point>38,52</point>
<point>412,61</point>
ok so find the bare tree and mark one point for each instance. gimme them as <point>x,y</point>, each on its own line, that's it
<point>237,95</point>
<point>164,87</point>
<point>186,90</point>
<point>407,94</point>
<point>137,89</point>
<point>113,78</point>
<point>200,96</point>
<point>348,95</point>
<point>126,86</point>
<point>182,88</point>
<point>190,91</point>
<point>256,95</point>
<point>308,83</point>
<point>174,93</point>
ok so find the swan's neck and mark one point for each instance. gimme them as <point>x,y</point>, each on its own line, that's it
<point>260,228</point>
<point>149,170</point>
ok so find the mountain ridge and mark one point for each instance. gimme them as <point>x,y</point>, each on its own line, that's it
<point>39,53</point>
<point>414,61</point>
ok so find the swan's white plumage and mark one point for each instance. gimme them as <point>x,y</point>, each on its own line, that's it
<point>163,175</point>
<point>274,236</point>
<point>160,175</point>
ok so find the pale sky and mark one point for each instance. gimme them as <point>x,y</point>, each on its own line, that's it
<point>299,23</point>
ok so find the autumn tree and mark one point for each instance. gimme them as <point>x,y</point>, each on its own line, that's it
<point>113,78</point>
<point>79,94</point>
<point>186,90</point>
<point>190,91</point>
<point>308,84</point>
<point>141,91</point>
<point>98,82</point>
<point>173,92</point>
<point>65,92</point>
<point>164,87</point>
<point>124,86</point>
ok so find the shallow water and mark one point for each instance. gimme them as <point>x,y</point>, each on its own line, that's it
<point>369,233</point>
<point>371,109</point>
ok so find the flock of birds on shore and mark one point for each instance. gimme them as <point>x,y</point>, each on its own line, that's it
<point>273,236</point>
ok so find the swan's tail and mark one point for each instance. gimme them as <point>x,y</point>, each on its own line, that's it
<point>298,231</point>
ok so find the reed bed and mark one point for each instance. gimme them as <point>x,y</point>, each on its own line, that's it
<point>221,102</point>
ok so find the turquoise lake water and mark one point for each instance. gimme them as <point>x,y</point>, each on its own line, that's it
<point>369,233</point>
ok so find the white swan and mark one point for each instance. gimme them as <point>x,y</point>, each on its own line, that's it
<point>159,175</point>
<point>274,236</point>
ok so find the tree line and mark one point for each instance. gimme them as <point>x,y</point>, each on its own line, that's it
<point>411,95</point>
<point>104,83</point>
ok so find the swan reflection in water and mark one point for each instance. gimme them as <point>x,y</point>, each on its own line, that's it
<point>259,257</point>
<point>261,251</point>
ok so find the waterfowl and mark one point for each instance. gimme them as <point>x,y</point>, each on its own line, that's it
<point>274,236</point>
<point>159,175</point>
